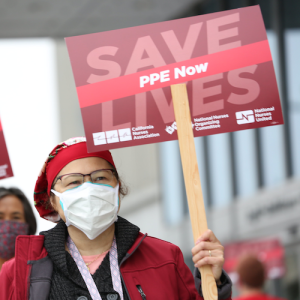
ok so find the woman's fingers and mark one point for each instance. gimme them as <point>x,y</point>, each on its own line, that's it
<point>209,251</point>
<point>207,236</point>
<point>207,246</point>
<point>214,261</point>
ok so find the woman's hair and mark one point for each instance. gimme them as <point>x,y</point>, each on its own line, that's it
<point>28,212</point>
<point>123,189</point>
<point>251,271</point>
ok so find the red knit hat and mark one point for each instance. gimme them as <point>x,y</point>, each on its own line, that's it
<point>59,157</point>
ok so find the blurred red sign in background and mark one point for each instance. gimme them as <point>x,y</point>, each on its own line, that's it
<point>270,252</point>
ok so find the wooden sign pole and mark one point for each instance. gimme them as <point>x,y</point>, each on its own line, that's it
<point>192,180</point>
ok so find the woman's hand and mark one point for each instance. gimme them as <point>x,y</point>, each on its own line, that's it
<point>209,251</point>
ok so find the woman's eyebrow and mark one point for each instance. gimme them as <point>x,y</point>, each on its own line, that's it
<point>16,213</point>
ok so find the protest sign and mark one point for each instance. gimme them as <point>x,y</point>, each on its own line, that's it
<point>5,166</point>
<point>123,76</point>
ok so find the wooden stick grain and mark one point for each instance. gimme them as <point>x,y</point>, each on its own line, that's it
<point>192,180</point>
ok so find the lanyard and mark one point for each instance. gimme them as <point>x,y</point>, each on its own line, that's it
<point>89,281</point>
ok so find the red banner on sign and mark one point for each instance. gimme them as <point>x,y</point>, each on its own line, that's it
<point>5,166</point>
<point>123,78</point>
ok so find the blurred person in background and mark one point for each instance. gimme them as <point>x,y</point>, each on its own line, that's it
<point>92,253</point>
<point>251,279</point>
<point>16,218</point>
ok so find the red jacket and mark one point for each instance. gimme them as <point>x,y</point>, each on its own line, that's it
<point>157,266</point>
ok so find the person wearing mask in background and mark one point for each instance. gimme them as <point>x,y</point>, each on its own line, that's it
<point>16,218</point>
<point>92,253</point>
<point>251,274</point>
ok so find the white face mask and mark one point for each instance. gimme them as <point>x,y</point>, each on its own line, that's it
<point>91,207</point>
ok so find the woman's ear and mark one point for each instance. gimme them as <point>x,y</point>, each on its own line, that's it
<point>52,201</point>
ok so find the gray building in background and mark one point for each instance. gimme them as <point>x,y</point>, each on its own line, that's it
<point>251,179</point>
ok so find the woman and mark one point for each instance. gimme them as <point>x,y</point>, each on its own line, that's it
<point>92,253</point>
<point>16,218</point>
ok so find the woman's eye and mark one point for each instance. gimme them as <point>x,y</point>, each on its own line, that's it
<point>100,178</point>
<point>74,182</point>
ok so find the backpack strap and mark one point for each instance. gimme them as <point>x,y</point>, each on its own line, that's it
<point>40,278</point>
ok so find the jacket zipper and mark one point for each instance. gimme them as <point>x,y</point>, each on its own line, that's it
<point>141,292</point>
<point>125,258</point>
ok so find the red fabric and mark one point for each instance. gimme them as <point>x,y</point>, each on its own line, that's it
<point>157,266</point>
<point>14,273</point>
<point>258,297</point>
<point>7,279</point>
<point>69,154</point>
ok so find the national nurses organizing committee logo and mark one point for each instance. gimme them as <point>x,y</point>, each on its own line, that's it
<point>113,136</point>
<point>245,117</point>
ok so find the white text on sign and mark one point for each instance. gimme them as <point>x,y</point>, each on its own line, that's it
<point>164,76</point>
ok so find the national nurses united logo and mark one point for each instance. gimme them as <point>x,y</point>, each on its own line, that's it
<point>113,136</point>
<point>245,117</point>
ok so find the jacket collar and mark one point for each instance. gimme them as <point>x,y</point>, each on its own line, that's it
<point>126,235</point>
